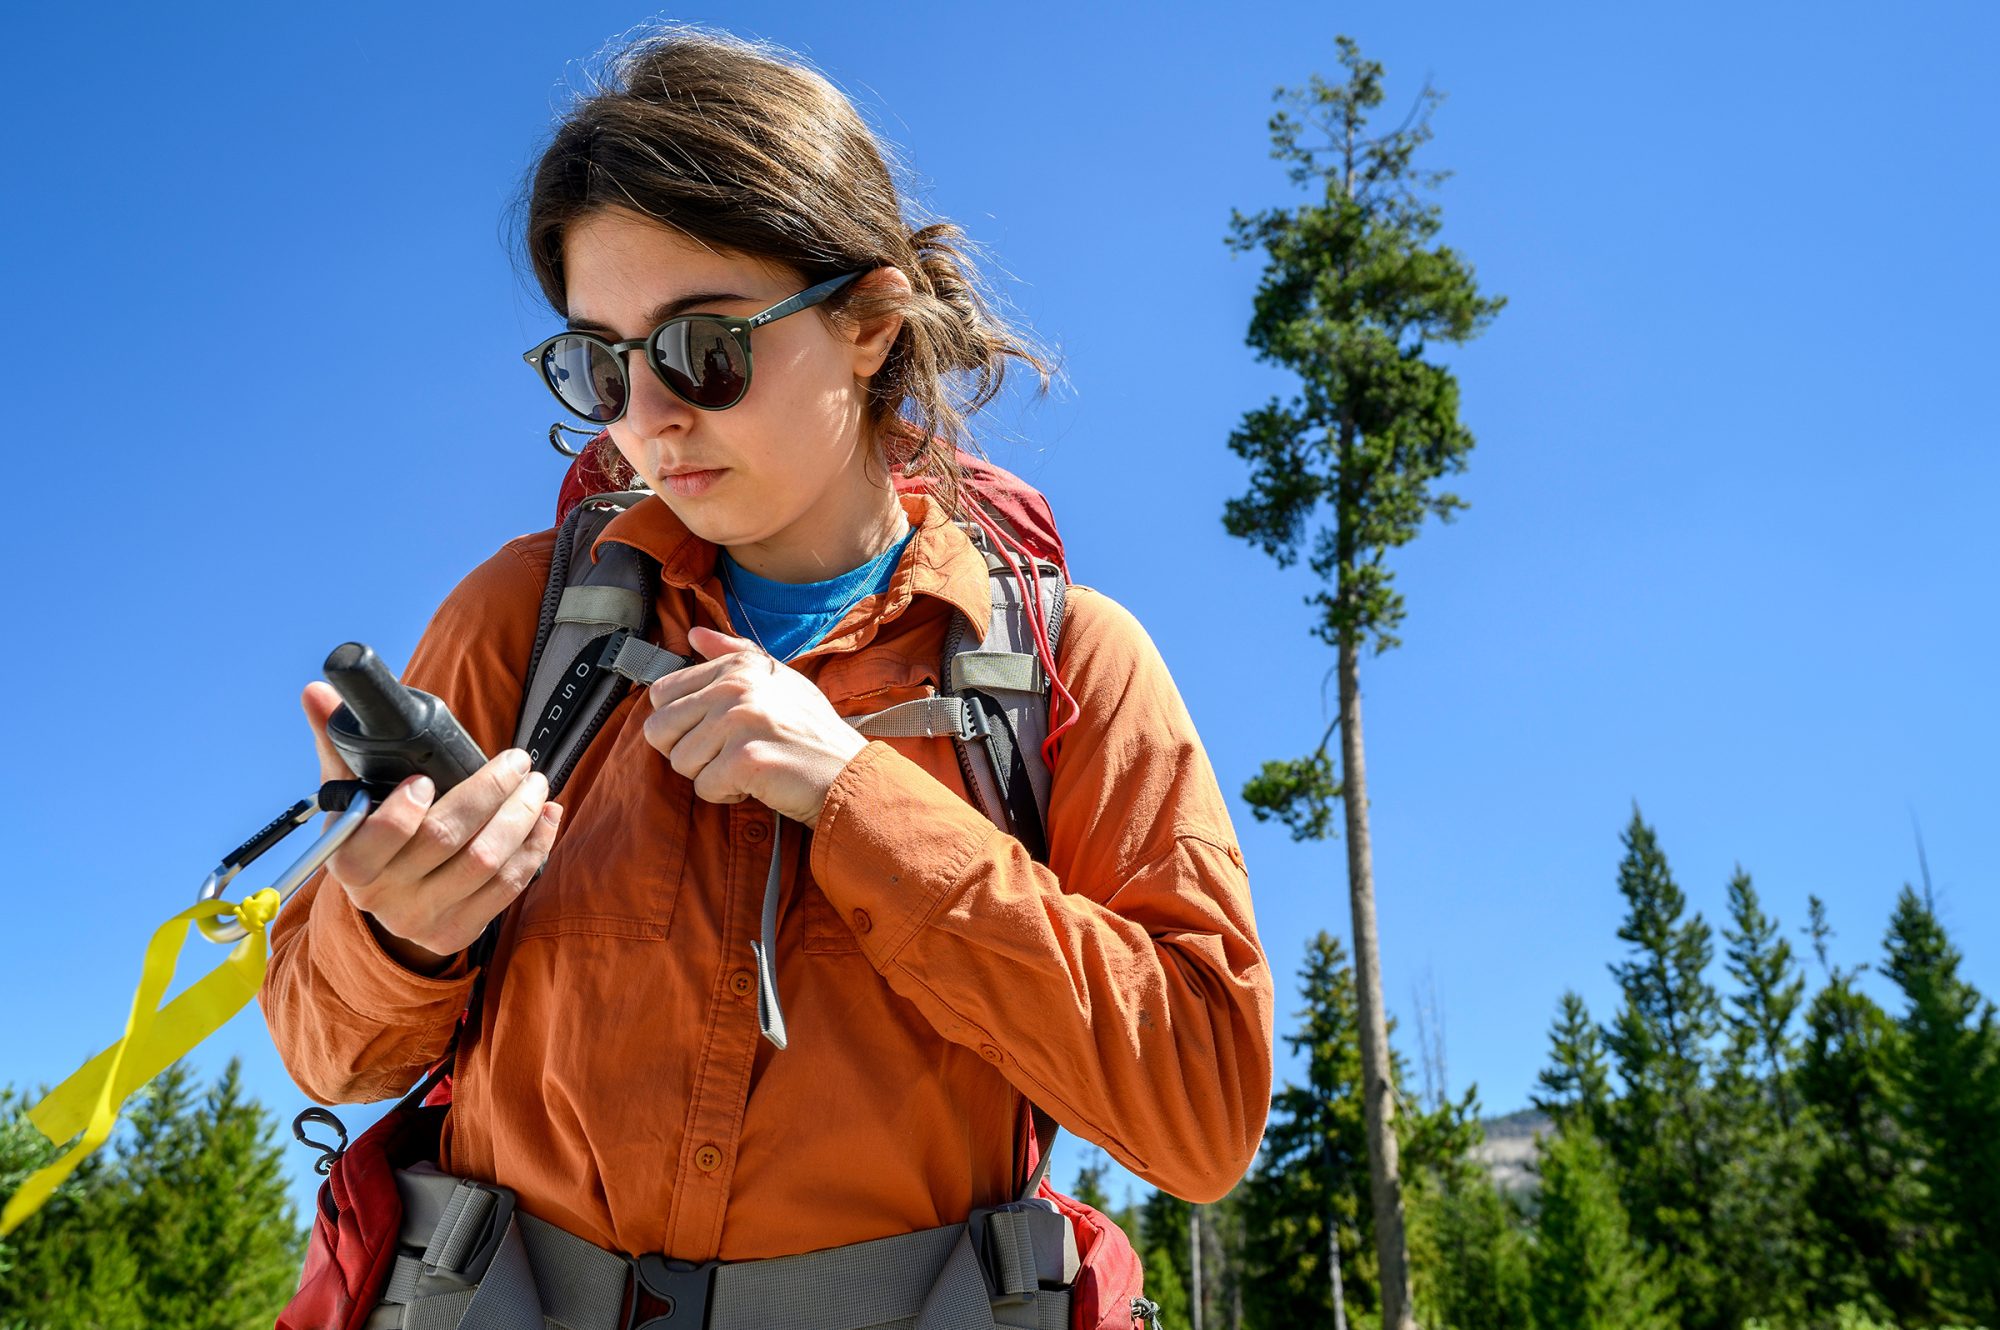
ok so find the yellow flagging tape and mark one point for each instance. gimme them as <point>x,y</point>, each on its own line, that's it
<point>154,1038</point>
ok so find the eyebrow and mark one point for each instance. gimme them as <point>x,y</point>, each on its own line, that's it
<point>659,313</point>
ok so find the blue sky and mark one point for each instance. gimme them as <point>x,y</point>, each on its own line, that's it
<point>1729,548</point>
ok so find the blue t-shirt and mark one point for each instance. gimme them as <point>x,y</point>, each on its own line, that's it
<point>788,618</point>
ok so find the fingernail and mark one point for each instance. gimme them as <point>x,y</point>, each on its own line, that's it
<point>552,814</point>
<point>517,761</point>
<point>423,790</point>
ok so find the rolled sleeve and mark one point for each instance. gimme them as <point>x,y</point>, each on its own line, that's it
<point>1121,985</point>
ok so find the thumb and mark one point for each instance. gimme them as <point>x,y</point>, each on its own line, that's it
<point>708,643</point>
<point>321,701</point>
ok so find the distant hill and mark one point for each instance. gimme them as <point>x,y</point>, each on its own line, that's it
<point>1510,1148</point>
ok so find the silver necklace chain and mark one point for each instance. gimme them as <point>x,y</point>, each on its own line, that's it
<point>868,582</point>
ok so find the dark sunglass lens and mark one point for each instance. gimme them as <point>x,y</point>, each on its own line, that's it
<point>585,376</point>
<point>702,362</point>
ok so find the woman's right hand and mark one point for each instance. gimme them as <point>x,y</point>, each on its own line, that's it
<point>429,873</point>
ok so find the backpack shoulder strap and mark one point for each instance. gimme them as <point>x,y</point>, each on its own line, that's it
<point>1006,693</point>
<point>590,604</point>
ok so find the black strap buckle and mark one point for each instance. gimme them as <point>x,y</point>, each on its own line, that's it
<point>683,1286</point>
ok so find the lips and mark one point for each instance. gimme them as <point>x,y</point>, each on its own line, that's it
<point>691,484</point>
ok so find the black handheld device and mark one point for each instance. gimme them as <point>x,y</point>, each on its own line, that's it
<point>388,732</point>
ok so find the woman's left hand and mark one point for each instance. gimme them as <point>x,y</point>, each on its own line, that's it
<point>743,725</point>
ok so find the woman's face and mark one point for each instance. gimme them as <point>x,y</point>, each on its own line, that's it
<point>784,479</point>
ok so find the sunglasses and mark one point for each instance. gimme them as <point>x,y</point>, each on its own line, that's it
<point>704,359</point>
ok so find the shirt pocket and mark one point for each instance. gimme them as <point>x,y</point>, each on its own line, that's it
<point>826,932</point>
<point>617,867</point>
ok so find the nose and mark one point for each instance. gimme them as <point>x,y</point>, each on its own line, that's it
<point>653,410</point>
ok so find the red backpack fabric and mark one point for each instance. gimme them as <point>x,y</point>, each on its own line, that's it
<point>357,1219</point>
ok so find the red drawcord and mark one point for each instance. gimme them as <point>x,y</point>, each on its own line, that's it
<point>1031,583</point>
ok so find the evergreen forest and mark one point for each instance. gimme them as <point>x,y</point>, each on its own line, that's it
<point>1750,1141</point>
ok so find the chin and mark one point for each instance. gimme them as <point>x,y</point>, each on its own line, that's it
<point>711,521</point>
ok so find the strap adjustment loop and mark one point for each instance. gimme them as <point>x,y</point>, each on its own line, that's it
<point>469,1232</point>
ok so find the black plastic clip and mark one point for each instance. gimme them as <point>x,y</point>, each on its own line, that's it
<point>684,1288</point>
<point>328,1152</point>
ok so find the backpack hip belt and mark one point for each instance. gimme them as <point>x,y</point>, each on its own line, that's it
<point>467,1260</point>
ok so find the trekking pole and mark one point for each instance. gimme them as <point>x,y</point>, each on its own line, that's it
<point>387,733</point>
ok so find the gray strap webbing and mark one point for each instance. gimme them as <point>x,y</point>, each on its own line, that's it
<point>1046,1128</point>
<point>925,718</point>
<point>958,1298</point>
<point>459,1228</point>
<point>770,1016</point>
<point>1016,670</point>
<point>866,1285</point>
<point>616,606</point>
<point>643,663</point>
<point>1013,1246</point>
<point>590,595</point>
<point>506,1298</point>
<point>452,1218</point>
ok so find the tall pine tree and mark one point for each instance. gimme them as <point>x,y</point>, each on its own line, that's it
<point>1576,1083</point>
<point>1663,1134</point>
<point>1862,1194</point>
<point>1354,292</point>
<point>1762,1223</point>
<point>1949,1081</point>
<point>1589,1273</point>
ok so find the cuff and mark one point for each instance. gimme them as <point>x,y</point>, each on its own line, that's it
<point>369,980</point>
<point>892,844</point>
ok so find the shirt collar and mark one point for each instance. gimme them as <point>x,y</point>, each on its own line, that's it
<point>940,562</point>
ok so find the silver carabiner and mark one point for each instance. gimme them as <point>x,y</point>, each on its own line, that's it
<point>214,929</point>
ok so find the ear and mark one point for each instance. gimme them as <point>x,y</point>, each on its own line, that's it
<point>873,340</point>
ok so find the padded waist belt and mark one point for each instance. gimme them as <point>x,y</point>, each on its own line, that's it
<point>469,1261</point>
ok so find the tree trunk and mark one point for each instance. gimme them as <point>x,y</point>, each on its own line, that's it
<point>1236,1276</point>
<point>1194,1265</point>
<point>1333,1263</point>
<point>1385,1177</point>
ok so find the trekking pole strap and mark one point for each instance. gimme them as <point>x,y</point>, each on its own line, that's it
<point>469,1261</point>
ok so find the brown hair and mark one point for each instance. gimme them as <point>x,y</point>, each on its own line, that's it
<point>743,147</point>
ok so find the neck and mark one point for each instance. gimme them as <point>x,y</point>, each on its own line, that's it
<point>835,538</point>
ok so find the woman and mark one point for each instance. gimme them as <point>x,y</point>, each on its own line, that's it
<point>933,973</point>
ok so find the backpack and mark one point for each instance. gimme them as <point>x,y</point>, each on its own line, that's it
<point>590,646</point>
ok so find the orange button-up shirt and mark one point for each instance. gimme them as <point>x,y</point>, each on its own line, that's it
<point>932,974</point>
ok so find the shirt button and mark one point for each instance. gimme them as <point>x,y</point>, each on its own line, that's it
<point>756,831</point>
<point>708,1159</point>
<point>742,982</point>
<point>990,1053</point>
<point>862,923</point>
